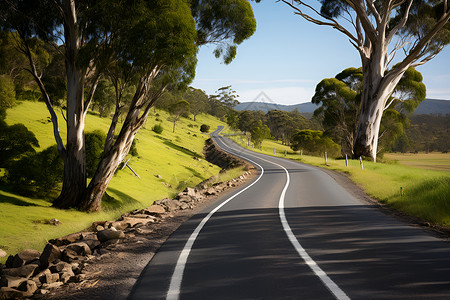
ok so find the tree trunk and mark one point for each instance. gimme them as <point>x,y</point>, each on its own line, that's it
<point>93,194</point>
<point>74,181</point>
<point>377,88</point>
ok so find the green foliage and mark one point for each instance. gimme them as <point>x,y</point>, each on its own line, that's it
<point>133,149</point>
<point>158,128</point>
<point>227,96</point>
<point>228,21</point>
<point>104,98</point>
<point>15,141</point>
<point>37,174</point>
<point>259,133</point>
<point>7,92</point>
<point>95,142</point>
<point>314,142</point>
<point>204,128</point>
<point>284,124</point>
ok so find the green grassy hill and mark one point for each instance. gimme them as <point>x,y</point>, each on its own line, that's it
<point>169,155</point>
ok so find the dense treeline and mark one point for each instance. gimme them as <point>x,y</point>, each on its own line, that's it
<point>426,133</point>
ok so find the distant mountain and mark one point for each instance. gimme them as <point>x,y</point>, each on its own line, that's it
<point>433,106</point>
<point>265,107</point>
<point>428,106</point>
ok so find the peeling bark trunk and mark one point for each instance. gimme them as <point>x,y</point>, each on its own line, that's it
<point>74,181</point>
<point>93,194</point>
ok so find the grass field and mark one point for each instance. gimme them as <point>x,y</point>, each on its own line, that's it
<point>169,155</point>
<point>428,161</point>
<point>426,190</point>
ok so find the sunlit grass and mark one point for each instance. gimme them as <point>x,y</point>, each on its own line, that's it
<point>426,191</point>
<point>169,155</point>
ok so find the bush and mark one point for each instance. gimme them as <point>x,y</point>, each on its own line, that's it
<point>95,142</point>
<point>158,128</point>
<point>315,143</point>
<point>15,141</point>
<point>204,128</point>
<point>37,174</point>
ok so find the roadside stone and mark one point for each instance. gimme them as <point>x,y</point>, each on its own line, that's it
<point>78,278</point>
<point>42,292</point>
<point>132,222</point>
<point>51,278</point>
<point>211,191</point>
<point>92,243</point>
<point>54,285</point>
<point>66,240</point>
<point>184,206</point>
<point>9,261</point>
<point>28,287</point>
<point>3,253</point>
<point>119,225</point>
<point>25,257</point>
<point>50,254</point>
<point>191,192</point>
<point>11,281</point>
<point>25,271</point>
<point>69,255</point>
<point>10,293</point>
<point>99,228</point>
<point>171,204</point>
<point>59,267</point>
<point>40,277</point>
<point>155,209</point>
<point>80,248</point>
<point>109,234</point>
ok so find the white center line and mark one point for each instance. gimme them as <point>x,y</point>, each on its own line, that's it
<point>177,276</point>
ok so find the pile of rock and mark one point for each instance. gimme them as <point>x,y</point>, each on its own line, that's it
<point>63,260</point>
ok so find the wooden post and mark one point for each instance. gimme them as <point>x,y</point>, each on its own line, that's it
<point>346,160</point>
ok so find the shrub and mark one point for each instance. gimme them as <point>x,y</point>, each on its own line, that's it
<point>158,128</point>
<point>95,142</point>
<point>7,92</point>
<point>315,143</point>
<point>37,174</point>
<point>204,128</point>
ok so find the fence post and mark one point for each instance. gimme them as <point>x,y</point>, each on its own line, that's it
<point>346,160</point>
<point>301,152</point>
<point>325,158</point>
<point>285,152</point>
<point>274,151</point>
<point>361,163</point>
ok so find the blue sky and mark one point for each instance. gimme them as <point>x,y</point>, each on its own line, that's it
<point>287,57</point>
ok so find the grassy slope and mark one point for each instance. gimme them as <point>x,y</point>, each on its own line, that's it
<point>426,191</point>
<point>168,155</point>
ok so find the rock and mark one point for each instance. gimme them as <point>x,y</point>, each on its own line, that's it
<point>80,248</point>
<point>28,287</point>
<point>99,228</point>
<point>65,277</point>
<point>54,222</point>
<point>78,278</point>
<point>51,278</point>
<point>119,225</point>
<point>191,192</point>
<point>66,240</point>
<point>40,277</point>
<point>54,285</point>
<point>211,191</point>
<point>9,261</point>
<point>10,281</point>
<point>158,176</point>
<point>155,209</point>
<point>24,257</point>
<point>50,254</point>
<point>132,222</point>
<point>69,255</point>
<point>92,243</point>
<point>42,292</point>
<point>184,206</point>
<point>59,267</point>
<point>25,271</point>
<point>110,234</point>
<point>171,204</point>
<point>10,293</point>
<point>3,253</point>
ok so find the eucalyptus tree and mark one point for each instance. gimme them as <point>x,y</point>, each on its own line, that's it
<point>379,30</point>
<point>339,100</point>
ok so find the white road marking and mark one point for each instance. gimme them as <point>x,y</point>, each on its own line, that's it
<point>177,276</point>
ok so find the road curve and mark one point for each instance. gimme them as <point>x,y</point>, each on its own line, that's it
<point>294,233</point>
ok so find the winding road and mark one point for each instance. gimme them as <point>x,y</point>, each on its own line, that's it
<point>294,233</point>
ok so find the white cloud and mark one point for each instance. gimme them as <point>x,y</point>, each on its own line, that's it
<point>279,95</point>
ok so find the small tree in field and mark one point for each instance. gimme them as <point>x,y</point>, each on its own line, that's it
<point>204,128</point>
<point>177,110</point>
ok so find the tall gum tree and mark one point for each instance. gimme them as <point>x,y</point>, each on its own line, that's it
<point>93,44</point>
<point>378,30</point>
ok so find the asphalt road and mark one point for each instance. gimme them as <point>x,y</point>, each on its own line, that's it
<point>294,233</point>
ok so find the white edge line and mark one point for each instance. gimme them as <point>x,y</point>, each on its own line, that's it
<point>332,287</point>
<point>177,276</point>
